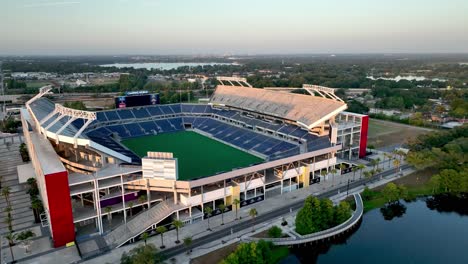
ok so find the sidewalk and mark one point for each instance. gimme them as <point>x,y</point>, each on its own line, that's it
<point>199,229</point>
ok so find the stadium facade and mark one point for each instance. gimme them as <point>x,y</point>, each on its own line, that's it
<point>87,176</point>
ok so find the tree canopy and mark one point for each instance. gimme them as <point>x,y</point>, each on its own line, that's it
<point>320,214</point>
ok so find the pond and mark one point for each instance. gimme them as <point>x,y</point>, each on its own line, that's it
<point>428,230</point>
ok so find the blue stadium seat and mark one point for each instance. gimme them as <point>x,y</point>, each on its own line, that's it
<point>111,115</point>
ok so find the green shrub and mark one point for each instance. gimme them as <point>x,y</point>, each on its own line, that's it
<point>275,232</point>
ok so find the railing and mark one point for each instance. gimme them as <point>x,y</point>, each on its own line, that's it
<point>348,224</point>
<point>139,223</point>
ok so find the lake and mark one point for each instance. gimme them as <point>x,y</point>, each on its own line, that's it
<point>163,65</point>
<point>408,78</point>
<point>419,235</point>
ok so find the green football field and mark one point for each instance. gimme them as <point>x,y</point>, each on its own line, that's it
<point>197,156</point>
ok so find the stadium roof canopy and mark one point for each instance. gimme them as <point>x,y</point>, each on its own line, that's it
<point>309,111</point>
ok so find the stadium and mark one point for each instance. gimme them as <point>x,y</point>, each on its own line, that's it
<point>99,171</point>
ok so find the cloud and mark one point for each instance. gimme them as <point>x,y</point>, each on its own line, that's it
<point>49,4</point>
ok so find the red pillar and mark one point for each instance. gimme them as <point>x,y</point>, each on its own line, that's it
<point>363,141</point>
<point>60,210</point>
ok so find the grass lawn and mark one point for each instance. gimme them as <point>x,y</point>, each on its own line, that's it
<point>197,156</point>
<point>416,182</point>
<point>36,84</point>
<point>377,128</point>
<point>386,133</point>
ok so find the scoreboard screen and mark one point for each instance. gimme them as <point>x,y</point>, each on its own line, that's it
<point>136,100</point>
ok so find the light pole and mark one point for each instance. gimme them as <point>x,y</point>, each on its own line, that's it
<point>347,189</point>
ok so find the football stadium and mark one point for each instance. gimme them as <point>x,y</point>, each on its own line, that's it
<point>98,171</point>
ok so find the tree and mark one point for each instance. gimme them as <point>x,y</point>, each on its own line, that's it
<point>222,208</point>
<point>396,164</point>
<point>355,168</point>
<point>374,163</point>
<point>208,212</point>
<point>333,172</point>
<point>342,168</point>
<point>361,167</point>
<point>161,230</point>
<point>143,199</point>
<point>37,207</point>
<point>391,192</point>
<point>25,238</point>
<point>143,254</point>
<point>253,214</point>
<point>177,224</point>
<point>342,213</point>
<point>367,174</point>
<point>187,243</point>
<point>275,232</point>
<point>11,242</point>
<point>108,211</point>
<point>324,173</point>
<point>236,203</point>
<point>327,212</point>
<point>144,236</point>
<point>257,253</point>
<point>304,217</point>
<point>6,194</point>
<point>378,163</point>
<point>130,205</point>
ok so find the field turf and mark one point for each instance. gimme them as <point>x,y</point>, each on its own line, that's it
<point>197,156</point>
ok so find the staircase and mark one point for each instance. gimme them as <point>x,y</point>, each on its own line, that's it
<point>139,223</point>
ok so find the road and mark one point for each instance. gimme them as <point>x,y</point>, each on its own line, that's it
<point>271,215</point>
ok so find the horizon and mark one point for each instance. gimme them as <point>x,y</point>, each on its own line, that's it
<point>110,28</point>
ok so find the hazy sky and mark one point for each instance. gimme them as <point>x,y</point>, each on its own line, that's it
<point>237,26</point>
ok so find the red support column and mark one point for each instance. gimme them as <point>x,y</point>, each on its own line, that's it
<point>363,141</point>
<point>60,209</point>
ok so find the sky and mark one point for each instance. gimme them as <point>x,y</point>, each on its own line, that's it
<point>196,27</point>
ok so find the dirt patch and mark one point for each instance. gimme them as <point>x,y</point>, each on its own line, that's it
<point>215,256</point>
<point>263,234</point>
<point>385,133</point>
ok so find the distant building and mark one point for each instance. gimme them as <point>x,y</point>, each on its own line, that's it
<point>79,83</point>
<point>451,125</point>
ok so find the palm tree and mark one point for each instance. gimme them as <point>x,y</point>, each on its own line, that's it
<point>324,173</point>
<point>177,224</point>
<point>396,163</point>
<point>236,203</point>
<point>187,243</point>
<point>6,194</point>
<point>378,162</point>
<point>253,213</point>
<point>342,168</point>
<point>361,167</point>
<point>355,168</point>
<point>222,208</point>
<point>161,230</point>
<point>144,236</point>
<point>131,204</point>
<point>9,218</point>
<point>37,207</point>
<point>11,242</point>
<point>108,211</point>
<point>208,211</point>
<point>367,174</point>
<point>389,158</point>
<point>142,199</point>
<point>333,172</point>
<point>374,163</point>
